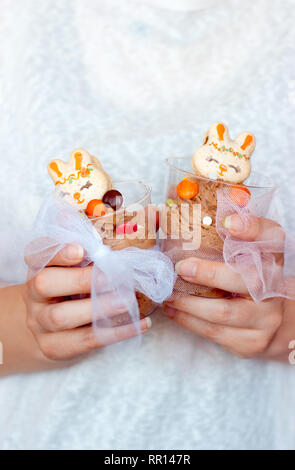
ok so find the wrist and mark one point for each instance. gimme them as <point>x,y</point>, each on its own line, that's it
<point>21,352</point>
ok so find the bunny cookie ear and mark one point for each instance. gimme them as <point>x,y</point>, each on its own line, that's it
<point>218,132</point>
<point>247,142</point>
<point>79,158</point>
<point>56,169</point>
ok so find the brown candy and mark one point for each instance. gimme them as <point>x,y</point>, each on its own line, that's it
<point>113,198</point>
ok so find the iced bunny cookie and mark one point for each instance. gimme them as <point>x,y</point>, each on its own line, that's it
<point>81,180</point>
<point>222,158</point>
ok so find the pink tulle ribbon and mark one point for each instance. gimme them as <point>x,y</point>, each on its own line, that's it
<point>266,264</point>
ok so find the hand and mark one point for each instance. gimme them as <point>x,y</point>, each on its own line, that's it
<point>62,327</point>
<point>239,325</point>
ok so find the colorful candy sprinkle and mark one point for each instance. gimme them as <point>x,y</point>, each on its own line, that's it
<point>187,189</point>
<point>240,195</point>
<point>95,208</point>
<point>170,202</point>
<point>207,220</point>
<point>224,149</point>
<point>126,228</point>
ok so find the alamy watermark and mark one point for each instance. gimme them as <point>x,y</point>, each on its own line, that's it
<point>172,222</point>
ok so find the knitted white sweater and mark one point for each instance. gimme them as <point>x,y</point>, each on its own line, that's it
<point>134,83</point>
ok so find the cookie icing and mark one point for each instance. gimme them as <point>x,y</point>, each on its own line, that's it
<point>222,158</point>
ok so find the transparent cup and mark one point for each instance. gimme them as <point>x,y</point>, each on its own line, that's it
<point>188,227</point>
<point>136,202</point>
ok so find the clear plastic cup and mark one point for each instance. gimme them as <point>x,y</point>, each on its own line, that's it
<point>188,226</point>
<point>136,202</point>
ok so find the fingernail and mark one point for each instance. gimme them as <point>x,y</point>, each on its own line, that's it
<point>186,268</point>
<point>169,311</point>
<point>74,252</point>
<point>234,223</point>
<point>148,322</point>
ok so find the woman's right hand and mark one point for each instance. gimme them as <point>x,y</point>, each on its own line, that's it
<point>62,327</point>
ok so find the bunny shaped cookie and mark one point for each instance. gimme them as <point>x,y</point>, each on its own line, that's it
<point>80,180</point>
<point>222,158</point>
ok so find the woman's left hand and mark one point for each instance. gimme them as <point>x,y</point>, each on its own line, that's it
<point>242,327</point>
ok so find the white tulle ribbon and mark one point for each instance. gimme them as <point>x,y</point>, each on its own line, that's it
<point>116,275</point>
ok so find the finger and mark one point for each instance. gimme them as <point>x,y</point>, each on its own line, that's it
<point>254,228</point>
<point>66,345</point>
<point>211,273</point>
<point>60,282</point>
<point>68,256</point>
<point>243,342</point>
<point>240,313</point>
<point>74,313</point>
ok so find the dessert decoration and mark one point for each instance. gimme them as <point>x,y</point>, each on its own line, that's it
<point>170,203</point>
<point>113,199</point>
<point>126,228</point>
<point>187,189</point>
<point>95,208</point>
<point>222,158</point>
<point>240,195</point>
<point>207,220</point>
<point>80,180</point>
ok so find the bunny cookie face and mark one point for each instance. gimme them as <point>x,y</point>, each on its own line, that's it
<point>222,158</point>
<point>81,179</point>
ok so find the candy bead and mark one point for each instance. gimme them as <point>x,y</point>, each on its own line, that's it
<point>95,208</point>
<point>207,220</point>
<point>240,195</point>
<point>170,202</point>
<point>126,228</point>
<point>113,198</point>
<point>187,189</point>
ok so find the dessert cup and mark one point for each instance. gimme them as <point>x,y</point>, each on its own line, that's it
<point>188,226</point>
<point>140,234</point>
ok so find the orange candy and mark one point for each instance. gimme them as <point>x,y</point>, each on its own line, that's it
<point>187,189</point>
<point>95,208</point>
<point>240,195</point>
